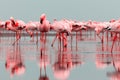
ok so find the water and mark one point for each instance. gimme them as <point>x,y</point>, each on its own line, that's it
<point>90,60</point>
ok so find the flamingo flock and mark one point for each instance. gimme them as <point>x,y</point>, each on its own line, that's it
<point>63,29</point>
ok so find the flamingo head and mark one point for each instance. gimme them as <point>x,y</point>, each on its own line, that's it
<point>12,20</point>
<point>7,23</point>
<point>42,17</point>
<point>108,28</point>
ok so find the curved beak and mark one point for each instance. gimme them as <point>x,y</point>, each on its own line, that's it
<point>41,20</point>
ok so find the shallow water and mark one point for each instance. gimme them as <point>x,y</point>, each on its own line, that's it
<point>86,59</point>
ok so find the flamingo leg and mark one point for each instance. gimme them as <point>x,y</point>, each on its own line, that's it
<point>107,38</point>
<point>80,34</point>
<point>30,33</point>
<point>100,38</point>
<point>114,39</point>
<point>76,41</point>
<point>71,41</point>
<point>45,34</point>
<point>54,40</point>
<point>95,35</point>
<point>37,37</point>
<point>60,41</point>
<point>64,41</point>
<point>32,36</point>
<point>17,38</point>
<point>42,38</point>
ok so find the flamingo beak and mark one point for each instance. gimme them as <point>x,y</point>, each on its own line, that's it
<point>6,25</point>
<point>13,22</point>
<point>41,20</point>
<point>107,27</point>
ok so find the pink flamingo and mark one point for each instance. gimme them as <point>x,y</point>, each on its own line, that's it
<point>78,27</point>
<point>45,26</point>
<point>31,27</point>
<point>90,25</point>
<point>114,27</point>
<point>98,27</point>
<point>16,26</point>
<point>61,27</point>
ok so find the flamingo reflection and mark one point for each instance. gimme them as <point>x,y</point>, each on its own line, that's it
<point>14,62</point>
<point>103,60</point>
<point>64,63</point>
<point>115,75</point>
<point>43,60</point>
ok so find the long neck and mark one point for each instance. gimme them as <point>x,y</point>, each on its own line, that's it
<point>41,21</point>
<point>13,22</point>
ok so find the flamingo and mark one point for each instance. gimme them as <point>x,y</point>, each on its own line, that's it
<point>61,27</point>
<point>114,27</point>
<point>31,27</point>
<point>44,28</point>
<point>78,27</point>
<point>45,24</point>
<point>16,26</point>
<point>98,27</point>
